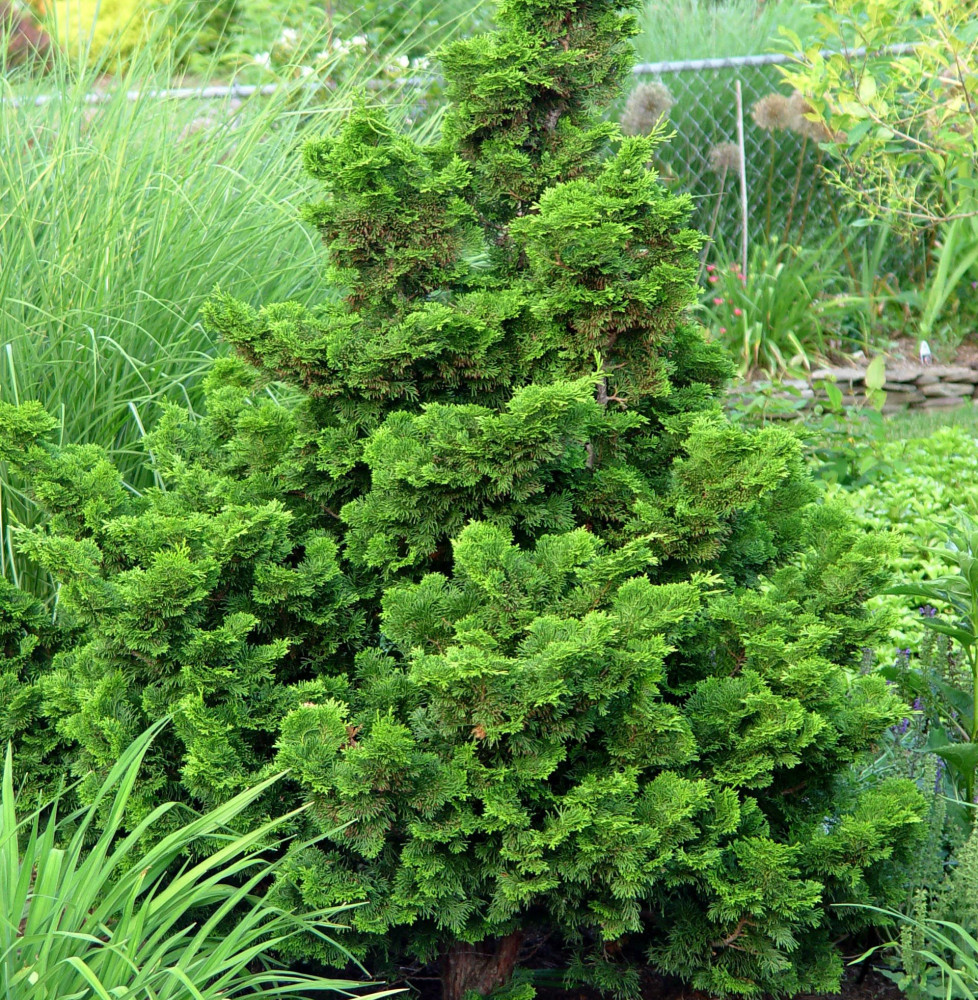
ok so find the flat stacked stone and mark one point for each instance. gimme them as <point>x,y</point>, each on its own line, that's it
<point>954,373</point>
<point>902,375</point>
<point>909,398</point>
<point>948,389</point>
<point>942,402</point>
<point>841,376</point>
<point>907,385</point>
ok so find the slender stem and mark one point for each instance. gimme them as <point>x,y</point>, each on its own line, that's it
<point>713,225</point>
<point>808,199</point>
<point>794,190</point>
<point>850,264</point>
<point>744,209</point>
<point>973,657</point>
<point>770,188</point>
<point>974,695</point>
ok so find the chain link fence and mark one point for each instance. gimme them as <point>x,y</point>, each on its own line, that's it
<point>788,196</point>
<point>785,193</point>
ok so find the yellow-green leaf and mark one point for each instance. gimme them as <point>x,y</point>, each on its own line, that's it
<point>876,373</point>
<point>867,89</point>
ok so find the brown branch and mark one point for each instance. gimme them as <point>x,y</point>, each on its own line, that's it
<point>735,933</point>
<point>795,788</point>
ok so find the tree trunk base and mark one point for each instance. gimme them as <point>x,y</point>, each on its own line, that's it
<point>481,967</point>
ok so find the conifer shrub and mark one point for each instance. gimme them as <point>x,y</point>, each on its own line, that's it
<point>472,551</point>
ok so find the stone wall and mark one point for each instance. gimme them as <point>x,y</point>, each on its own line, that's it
<point>907,386</point>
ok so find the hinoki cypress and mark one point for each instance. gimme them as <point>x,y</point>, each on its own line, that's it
<point>473,551</point>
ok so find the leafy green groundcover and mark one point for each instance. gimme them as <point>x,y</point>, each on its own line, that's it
<point>919,485</point>
<point>475,553</point>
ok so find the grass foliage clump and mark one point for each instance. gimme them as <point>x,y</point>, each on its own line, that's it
<point>88,909</point>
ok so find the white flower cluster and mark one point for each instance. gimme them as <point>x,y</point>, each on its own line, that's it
<point>286,42</point>
<point>342,47</point>
<point>338,49</point>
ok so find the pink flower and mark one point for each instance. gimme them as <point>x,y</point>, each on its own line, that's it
<point>711,268</point>
<point>738,312</point>
<point>723,329</point>
<point>718,302</point>
<point>713,279</point>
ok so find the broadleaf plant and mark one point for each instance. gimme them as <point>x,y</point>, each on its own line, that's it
<point>473,552</point>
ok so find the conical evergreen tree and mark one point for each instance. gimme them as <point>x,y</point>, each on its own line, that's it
<point>550,645</point>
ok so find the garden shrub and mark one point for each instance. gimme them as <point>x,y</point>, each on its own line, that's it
<point>29,638</point>
<point>472,550</point>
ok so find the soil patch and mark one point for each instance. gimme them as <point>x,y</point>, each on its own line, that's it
<point>965,353</point>
<point>855,986</point>
<point>859,983</point>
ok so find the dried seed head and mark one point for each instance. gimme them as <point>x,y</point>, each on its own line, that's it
<point>647,105</point>
<point>817,131</point>
<point>725,156</point>
<point>773,112</point>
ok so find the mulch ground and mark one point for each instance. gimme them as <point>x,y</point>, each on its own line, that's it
<point>855,986</point>
<point>859,984</point>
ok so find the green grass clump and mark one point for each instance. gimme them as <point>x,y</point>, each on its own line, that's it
<point>116,222</point>
<point>90,909</point>
<point>919,425</point>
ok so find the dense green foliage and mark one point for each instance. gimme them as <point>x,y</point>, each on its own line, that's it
<point>924,494</point>
<point>473,551</point>
<point>903,130</point>
<point>916,487</point>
